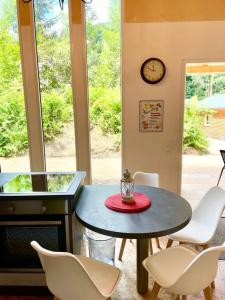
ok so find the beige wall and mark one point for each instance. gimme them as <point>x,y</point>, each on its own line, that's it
<point>145,11</point>
<point>175,43</point>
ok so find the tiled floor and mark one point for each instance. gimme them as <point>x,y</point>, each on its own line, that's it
<point>126,289</point>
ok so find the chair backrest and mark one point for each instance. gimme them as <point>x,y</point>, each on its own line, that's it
<point>210,208</point>
<point>199,273</point>
<point>222,152</point>
<point>65,276</point>
<point>149,179</point>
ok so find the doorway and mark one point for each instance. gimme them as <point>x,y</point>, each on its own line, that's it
<point>204,128</point>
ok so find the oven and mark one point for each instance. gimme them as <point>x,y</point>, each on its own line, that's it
<point>17,232</point>
<point>40,207</point>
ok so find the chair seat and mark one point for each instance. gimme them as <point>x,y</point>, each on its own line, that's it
<point>189,234</point>
<point>104,276</point>
<point>181,270</point>
<point>167,266</point>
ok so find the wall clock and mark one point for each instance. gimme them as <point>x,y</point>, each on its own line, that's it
<point>153,70</point>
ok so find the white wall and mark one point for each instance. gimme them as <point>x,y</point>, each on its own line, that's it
<point>175,43</point>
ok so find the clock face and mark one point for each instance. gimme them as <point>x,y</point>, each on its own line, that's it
<point>153,70</point>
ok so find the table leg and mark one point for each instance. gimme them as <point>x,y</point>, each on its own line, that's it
<point>142,274</point>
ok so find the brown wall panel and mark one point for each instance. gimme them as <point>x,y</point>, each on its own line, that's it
<point>144,11</point>
<point>24,13</point>
<point>76,11</point>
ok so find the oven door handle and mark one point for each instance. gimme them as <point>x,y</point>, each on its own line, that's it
<point>29,223</point>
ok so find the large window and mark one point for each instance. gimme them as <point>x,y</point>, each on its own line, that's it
<point>13,124</point>
<point>103,50</point>
<point>46,60</point>
<point>53,48</point>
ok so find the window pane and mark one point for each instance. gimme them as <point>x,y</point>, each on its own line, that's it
<point>103,49</point>
<point>52,34</point>
<point>13,124</point>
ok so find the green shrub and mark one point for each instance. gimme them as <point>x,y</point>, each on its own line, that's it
<point>194,136</point>
<point>56,110</point>
<point>105,109</point>
<point>13,130</point>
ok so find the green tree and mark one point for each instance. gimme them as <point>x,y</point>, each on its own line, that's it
<point>55,73</point>
<point>197,85</point>
<point>45,20</point>
<point>54,65</point>
<point>204,85</point>
<point>218,84</point>
<point>10,71</point>
<point>103,45</point>
<point>194,136</point>
<point>95,40</point>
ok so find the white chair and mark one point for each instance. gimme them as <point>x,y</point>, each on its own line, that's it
<point>77,277</point>
<point>147,179</point>
<point>204,221</point>
<point>182,270</point>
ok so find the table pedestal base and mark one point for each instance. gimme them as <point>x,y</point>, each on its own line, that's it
<point>142,274</point>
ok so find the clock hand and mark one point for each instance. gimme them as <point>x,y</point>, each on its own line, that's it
<point>150,69</point>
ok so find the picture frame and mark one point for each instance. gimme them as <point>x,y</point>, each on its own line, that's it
<point>151,115</point>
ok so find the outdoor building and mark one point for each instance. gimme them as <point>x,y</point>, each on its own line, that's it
<point>215,122</point>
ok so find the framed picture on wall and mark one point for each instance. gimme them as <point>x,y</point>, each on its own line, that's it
<point>151,115</point>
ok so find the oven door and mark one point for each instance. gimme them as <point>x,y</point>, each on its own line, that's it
<point>16,253</point>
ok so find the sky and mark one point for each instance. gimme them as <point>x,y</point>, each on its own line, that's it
<point>101,9</point>
<point>99,6</point>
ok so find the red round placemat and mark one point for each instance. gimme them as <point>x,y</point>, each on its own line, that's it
<point>141,203</point>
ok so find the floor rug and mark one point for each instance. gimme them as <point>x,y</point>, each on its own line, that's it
<point>219,237</point>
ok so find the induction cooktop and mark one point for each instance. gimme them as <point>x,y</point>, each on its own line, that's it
<point>26,183</point>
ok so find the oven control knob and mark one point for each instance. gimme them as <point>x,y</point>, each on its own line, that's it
<point>44,209</point>
<point>11,208</point>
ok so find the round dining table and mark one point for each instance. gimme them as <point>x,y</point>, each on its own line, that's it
<point>167,214</point>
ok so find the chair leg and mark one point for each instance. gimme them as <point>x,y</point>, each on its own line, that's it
<point>155,291</point>
<point>169,243</point>
<point>150,246</point>
<point>184,297</point>
<point>158,243</point>
<point>122,248</point>
<point>206,246</point>
<point>197,248</point>
<point>207,293</point>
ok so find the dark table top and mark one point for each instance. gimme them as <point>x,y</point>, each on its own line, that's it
<point>167,214</point>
